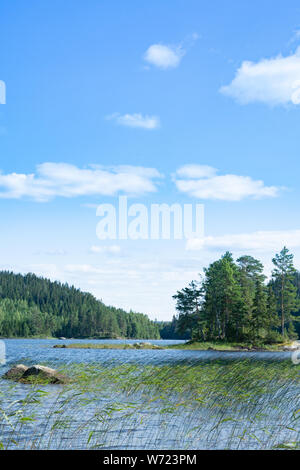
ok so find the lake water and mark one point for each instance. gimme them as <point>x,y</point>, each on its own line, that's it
<point>114,420</point>
<point>32,351</point>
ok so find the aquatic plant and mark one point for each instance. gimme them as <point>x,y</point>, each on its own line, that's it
<point>213,404</point>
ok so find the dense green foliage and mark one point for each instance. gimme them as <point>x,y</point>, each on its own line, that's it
<point>33,306</point>
<point>169,330</point>
<point>234,303</point>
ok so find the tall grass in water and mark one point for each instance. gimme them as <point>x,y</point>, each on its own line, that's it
<point>198,405</point>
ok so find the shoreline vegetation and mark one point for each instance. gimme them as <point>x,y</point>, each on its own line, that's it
<point>190,345</point>
<point>108,346</point>
<point>232,308</point>
<point>235,303</point>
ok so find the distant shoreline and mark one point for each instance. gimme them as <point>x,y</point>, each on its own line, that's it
<point>191,346</point>
<point>139,344</point>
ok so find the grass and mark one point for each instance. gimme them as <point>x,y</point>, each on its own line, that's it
<point>190,345</point>
<point>214,404</point>
<point>205,345</point>
<point>226,346</point>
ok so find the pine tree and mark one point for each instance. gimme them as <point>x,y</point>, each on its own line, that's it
<point>250,271</point>
<point>30,306</point>
<point>285,290</point>
<point>188,305</point>
<point>260,322</point>
<point>223,306</point>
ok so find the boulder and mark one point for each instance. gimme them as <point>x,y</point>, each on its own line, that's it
<point>294,346</point>
<point>36,374</point>
<point>43,374</point>
<point>145,345</point>
<point>15,372</point>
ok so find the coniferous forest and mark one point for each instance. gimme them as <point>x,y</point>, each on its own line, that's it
<point>32,306</point>
<point>234,302</point>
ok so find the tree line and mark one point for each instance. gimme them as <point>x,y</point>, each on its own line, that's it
<point>233,301</point>
<point>33,306</point>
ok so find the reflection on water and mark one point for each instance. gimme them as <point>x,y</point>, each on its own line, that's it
<point>109,417</point>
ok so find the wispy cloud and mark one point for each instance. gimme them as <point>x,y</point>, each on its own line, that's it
<point>168,56</point>
<point>296,36</point>
<point>113,249</point>
<point>151,280</point>
<point>255,241</point>
<point>65,180</point>
<point>196,171</point>
<point>274,81</point>
<point>203,182</point>
<point>136,120</point>
<point>55,252</point>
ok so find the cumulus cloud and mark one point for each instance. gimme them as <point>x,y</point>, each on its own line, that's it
<point>274,81</point>
<point>203,182</point>
<point>169,56</point>
<point>65,180</point>
<point>255,241</point>
<point>164,57</point>
<point>136,120</point>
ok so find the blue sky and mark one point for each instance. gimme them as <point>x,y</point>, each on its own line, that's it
<point>205,94</point>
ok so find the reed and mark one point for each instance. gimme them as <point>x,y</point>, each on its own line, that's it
<point>237,404</point>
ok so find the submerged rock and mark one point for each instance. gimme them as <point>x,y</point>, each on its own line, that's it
<point>36,374</point>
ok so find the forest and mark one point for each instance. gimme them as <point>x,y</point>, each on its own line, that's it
<point>234,301</point>
<point>31,306</point>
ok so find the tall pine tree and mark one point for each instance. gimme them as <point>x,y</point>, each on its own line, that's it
<point>285,289</point>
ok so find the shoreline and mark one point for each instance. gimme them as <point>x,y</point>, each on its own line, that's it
<point>190,346</point>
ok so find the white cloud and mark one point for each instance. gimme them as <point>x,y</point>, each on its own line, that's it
<point>55,252</point>
<point>142,286</point>
<point>169,56</point>
<point>114,249</point>
<point>274,81</point>
<point>296,36</point>
<point>255,241</point>
<point>196,171</point>
<point>136,120</point>
<point>65,180</point>
<point>203,182</point>
<point>164,57</point>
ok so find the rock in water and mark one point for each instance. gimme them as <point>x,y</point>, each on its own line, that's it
<point>36,374</point>
<point>16,372</point>
<point>44,374</point>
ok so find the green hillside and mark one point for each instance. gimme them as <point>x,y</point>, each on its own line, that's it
<point>33,306</point>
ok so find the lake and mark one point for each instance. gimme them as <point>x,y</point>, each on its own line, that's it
<point>151,399</point>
